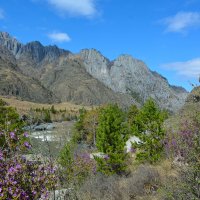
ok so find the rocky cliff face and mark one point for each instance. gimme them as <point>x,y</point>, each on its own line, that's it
<point>128,75</point>
<point>90,78</point>
<point>34,50</point>
<point>39,53</point>
<point>10,43</point>
<point>68,79</point>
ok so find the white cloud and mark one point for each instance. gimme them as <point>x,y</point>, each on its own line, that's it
<point>182,21</point>
<point>75,7</point>
<point>2,14</point>
<point>59,37</point>
<point>187,69</point>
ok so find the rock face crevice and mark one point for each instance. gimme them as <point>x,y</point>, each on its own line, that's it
<point>89,77</point>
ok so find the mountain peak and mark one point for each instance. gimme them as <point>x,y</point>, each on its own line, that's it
<point>10,43</point>
<point>92,53</point>
<point>129,60</point>
<point>32,50</point>
<point>35,43</point>
<point>4,35</point>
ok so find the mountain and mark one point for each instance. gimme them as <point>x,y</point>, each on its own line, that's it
<point>90,78</point>
<point>128,75</point>
<point>14,83</point>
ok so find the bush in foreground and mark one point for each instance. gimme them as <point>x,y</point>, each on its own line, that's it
<point>21,179</point>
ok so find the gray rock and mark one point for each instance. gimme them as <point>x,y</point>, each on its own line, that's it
<point>10,43</point>
<point>42,127</point>
<point>131,76</point>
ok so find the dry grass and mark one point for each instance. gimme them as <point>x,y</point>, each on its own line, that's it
<point>166,170</point>
<point>140,184</point>
<point>23,107</point>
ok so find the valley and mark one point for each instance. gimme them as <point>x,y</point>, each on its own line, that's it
<point>93,128</point>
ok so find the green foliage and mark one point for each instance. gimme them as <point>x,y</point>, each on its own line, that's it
<point>47,116</point>
<point>132,113</point>
<point>66,160</point>
<point>53,110</point>
<point>51,114</point>
<point>112,135</point>
<point>79,126</point>
<point>9,118</point>
<point>2,103</point>
<point>10,122</point>
<point>148,127</point>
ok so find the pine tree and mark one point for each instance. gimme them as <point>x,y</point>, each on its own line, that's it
<point>148,126</point>
<point>111,138</point>
<point>131,114</point>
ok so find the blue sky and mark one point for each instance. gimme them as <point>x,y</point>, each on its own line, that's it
<point>165,34</point>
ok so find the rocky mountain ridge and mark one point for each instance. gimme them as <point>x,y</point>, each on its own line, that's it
<point>34,49</point>
<point>14,83</point>
<point>128,75</point>
<point>90,78</point>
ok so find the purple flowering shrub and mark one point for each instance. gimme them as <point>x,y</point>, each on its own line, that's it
<point>14,141</point>
<point>83,165</point>
<point>76,166</point>
<point>181,142</point>
<point>183,145</point>
<point>19,178</point>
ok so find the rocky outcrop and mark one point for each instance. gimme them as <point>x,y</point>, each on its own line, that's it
<point>39,53</point>
<point>34,58</point>
<point>34,50</point>
<point>128,75</point>
<point>10,43</point>
<point>69,80</point>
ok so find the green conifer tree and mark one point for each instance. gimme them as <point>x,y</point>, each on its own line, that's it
<point>148,126</point>
<point>112,135</point>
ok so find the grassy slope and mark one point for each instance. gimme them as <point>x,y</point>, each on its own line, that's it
<point>23,107</point>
